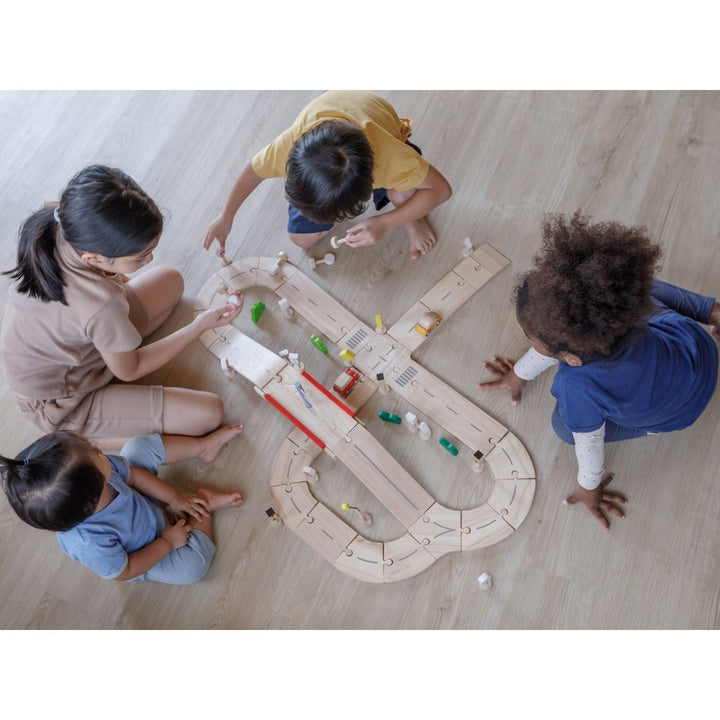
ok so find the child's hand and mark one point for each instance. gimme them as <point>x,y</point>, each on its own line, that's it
<point>367,232</point>
<point>194,505</point>
<point>218,230</point>
<point>178,534</point>
<point>218,316</point>
<point>598,500</point>
<point>714,321</point>
<point>503,369</point>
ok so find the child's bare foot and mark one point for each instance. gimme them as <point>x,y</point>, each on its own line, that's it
<point>421,237</point>
<point>220,501</point>
<point>214,442</point>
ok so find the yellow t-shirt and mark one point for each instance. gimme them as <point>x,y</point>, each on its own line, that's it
<point>396,165</point>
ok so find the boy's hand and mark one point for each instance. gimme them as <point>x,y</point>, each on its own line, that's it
<point>218,316</point>
<point>714,321</point>
<point>503,369</point>
<point>194,505</point>
<point>598,500</point>
<point>178,534</point>
<point>367,232</point>
<point>218,230</point>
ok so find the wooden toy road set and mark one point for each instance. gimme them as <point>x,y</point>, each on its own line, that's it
<point>325,422</point>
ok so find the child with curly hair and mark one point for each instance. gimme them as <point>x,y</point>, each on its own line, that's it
<point>632,359</point>
<point>343,148</point>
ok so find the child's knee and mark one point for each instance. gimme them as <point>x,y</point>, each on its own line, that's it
<point>144,451</point>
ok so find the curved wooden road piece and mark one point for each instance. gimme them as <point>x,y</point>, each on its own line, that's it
<point>326,423</point>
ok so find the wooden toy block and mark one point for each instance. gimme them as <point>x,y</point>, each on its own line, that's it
<point>287,311</point>
<point>405,557</point>
<point>512,498</point>
<point>378,470</point>
<point>326,314</point>
<point>256,311</point>
<point>467,247</point>
<point>448,446</point>
<point>327,259</point>
<point>389,417</point>
<point>363,560</point>
<point>438,530</point>
<point>509,458</point>
<point>319,344</point>
<point>347,355</point>
<point>482,526</point>
<point>326,533</point>
<point>293,502</point>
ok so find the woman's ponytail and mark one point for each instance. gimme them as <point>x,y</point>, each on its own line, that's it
<point>37,271</point>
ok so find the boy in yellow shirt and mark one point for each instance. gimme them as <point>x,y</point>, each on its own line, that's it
<point>343,147</point>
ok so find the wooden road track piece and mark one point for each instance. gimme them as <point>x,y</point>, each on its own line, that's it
<point>325,421</point>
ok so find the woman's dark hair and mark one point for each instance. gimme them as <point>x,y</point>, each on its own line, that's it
<point>330,172</point>
<point>588,292</point>
<point>102,210</point>
<point>59,485</point>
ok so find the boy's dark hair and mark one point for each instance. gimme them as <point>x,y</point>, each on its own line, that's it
<point>330,172</point>
<point>53,484</point>
<point>589,290</point>
<point>102,210</point>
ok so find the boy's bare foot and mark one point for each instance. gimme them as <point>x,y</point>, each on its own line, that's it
<point>215,441</point>
<point>220,501</point>
<point>421,237</point>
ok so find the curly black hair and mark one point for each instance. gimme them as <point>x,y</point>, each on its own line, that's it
<point>330,172</point>
<point>588,292</point>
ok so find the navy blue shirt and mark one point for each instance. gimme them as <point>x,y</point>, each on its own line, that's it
<point>662,381</point>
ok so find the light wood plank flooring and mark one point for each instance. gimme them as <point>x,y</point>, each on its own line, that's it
<point>650,158</point>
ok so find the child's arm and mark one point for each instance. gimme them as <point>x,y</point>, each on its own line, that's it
<point>134,364</point>
<point>590,454</point>
<point>431,192</point>
<point>701,308</point>
<point>152,486</point>
<point>512,374</point>
<point>221,226</point>
<point>139,562</point>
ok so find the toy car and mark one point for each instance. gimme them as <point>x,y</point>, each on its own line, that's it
<point>345,383</point>
<point>428,322</point>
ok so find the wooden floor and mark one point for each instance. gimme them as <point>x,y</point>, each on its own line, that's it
<point>636,157</point>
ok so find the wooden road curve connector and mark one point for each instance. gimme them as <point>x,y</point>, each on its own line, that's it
<point>324,422</point>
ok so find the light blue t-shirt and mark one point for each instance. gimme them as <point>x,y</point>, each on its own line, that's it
<point>131,521</point>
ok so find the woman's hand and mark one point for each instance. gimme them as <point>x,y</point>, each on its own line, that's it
<point>502,368</point>
<point>219,316</point>
<point>598,500</point>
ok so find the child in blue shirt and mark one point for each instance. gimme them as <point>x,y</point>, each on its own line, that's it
<point>107,509</point>
<point>632,359</point>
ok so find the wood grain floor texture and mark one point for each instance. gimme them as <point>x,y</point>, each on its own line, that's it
<point>646,158</point>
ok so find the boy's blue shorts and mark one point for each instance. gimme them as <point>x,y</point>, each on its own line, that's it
<point>300,225</point>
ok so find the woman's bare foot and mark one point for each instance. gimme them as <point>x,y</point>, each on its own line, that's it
<point>421,237</point>
<point>215,441</point>
<point>219,501</point>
